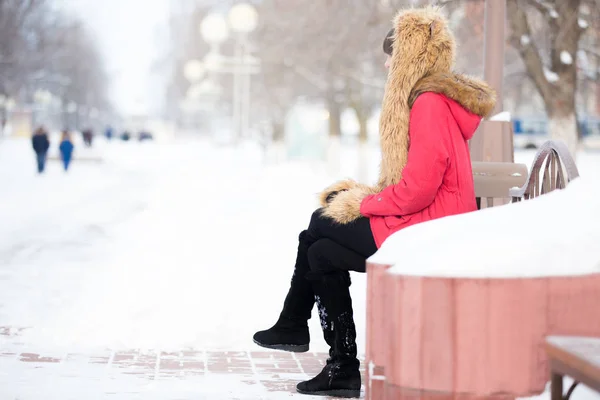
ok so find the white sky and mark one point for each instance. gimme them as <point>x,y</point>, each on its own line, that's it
<point>129,33</point>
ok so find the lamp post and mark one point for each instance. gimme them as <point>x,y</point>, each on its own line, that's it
<point>242,19</point>
<point>494,141</point>
<point>194,71</point>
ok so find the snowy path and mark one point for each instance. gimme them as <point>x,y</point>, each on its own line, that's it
<point>160,248</point>
<point>116,270</point>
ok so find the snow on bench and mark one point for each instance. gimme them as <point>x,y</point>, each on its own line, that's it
<point>462,304</point>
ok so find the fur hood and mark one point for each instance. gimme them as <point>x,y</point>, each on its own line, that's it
<point>422,60</point>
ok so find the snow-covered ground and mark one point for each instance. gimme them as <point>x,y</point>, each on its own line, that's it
<point>158,247</point>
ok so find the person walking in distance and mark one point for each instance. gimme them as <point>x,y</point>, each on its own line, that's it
<point>40,144</point>
<point>66,149</point>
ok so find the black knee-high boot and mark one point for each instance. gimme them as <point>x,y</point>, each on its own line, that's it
<point>341,375</point>
<point>290,332</point>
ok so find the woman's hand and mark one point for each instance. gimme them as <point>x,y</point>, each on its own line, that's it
<point>344,205</point>
<point>332,195</point>
<point>327,195</point>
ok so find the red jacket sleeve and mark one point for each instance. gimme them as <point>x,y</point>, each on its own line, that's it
<point>426,165</point>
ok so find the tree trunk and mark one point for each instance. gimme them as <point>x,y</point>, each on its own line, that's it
<point>276,152</point>
<point>565,128</point>
<point>334,142</point>
<point>335,118</point>
<point>278,131</point>
<point>363,153</point>
<point>556,83</point>
<point>562,117</point>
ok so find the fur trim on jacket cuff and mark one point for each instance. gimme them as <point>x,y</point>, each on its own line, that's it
<point>345,207</point>
<point>336,187</point>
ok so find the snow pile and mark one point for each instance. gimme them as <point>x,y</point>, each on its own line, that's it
<point>566,58</point>
<point>554,235</point>
<point>501,116</point>
<point>551,76</point>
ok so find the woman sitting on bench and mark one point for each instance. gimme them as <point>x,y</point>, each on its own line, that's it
<point>428,115</point>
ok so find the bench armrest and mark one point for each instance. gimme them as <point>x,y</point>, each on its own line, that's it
<point>558,170</point>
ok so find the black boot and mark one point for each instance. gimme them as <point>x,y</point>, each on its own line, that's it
<point>290,332</point>
<point>341,375</point>
<point>287,334</point>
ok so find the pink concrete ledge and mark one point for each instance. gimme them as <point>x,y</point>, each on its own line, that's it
<point>376,330</point>
<point>457,337</point>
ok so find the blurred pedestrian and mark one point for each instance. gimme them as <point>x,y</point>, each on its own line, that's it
<point>88,137</point>
<point>125,136</point>
<point>41,144</point>
<point>108,132</point>
<point>66,149</point>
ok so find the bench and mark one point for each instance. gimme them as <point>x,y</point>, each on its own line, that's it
<point>576,357</point>
<point>558,167</point>
<point>388,368</point>
<point>494,180</point>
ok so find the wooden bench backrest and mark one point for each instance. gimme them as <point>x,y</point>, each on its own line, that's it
<point>494,180</point>
<point>553,168</point>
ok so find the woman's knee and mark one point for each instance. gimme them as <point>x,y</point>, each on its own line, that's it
<point>319,257</point>
<point>316,221</point>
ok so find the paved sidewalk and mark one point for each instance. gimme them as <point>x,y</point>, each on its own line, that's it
<point>238,374</point>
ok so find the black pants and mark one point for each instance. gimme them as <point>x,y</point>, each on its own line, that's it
<point>41,161</point>
<point>326,247</point>
<point>334,246</point>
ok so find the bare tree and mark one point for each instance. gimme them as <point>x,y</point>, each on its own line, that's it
<point>19,39</point>
<point>334,49</point>
<point>41,48</point>
<point>548,42</point>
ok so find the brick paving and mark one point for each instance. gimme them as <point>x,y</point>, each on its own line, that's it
<point>276,371</point>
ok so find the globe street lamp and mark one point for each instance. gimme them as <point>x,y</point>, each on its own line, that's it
<point>242,19</point>
<point>214,29</point>
<point>193,70</point>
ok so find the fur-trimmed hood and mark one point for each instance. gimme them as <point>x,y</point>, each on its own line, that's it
<point>471,93</point>
<point>422,60</point>
<point>471,96</point>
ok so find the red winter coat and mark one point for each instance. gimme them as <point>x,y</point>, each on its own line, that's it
<point>437,180</point>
